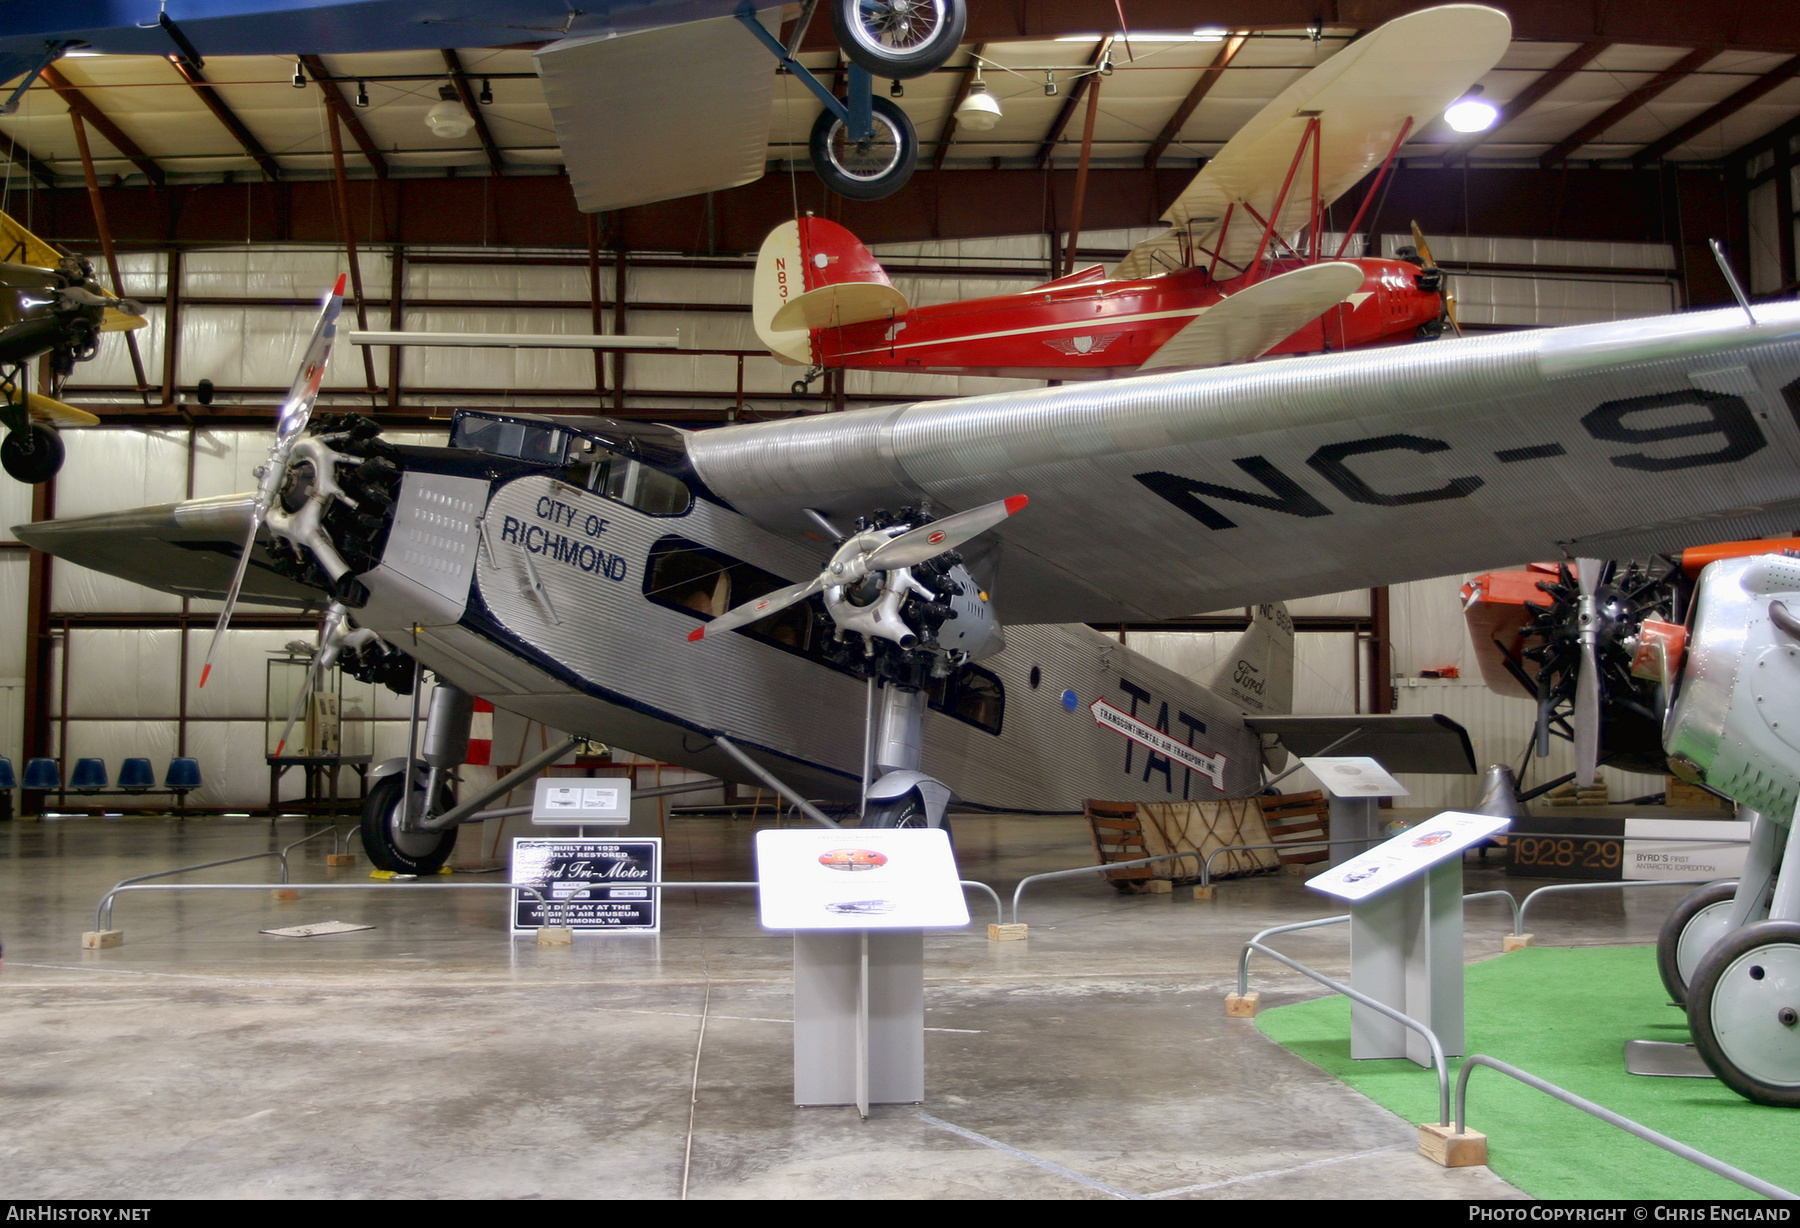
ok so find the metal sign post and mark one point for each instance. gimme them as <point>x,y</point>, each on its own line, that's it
<point>1406,934</point>
<point>1355,786</point>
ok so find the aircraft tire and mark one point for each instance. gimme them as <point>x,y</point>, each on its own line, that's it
<point>1689,932</point>
<point>388,847</point>
<point>33,454</point>
<point>1744,1012</point>
<point>904,811</point>
<point>865,174</point>
<point>861,24</point>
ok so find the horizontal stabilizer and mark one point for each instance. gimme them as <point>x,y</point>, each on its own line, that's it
<point>835,306</point>
<point>1253,321</point>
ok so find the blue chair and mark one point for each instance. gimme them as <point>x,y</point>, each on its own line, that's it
<point>136,776</point>
<point>7,779</point>
<point>89,776</point>
<point>183,775</point>
<point>43,774</point>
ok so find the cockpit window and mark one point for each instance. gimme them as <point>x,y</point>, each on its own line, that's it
<point>526,441</point>
<point>605,472</point>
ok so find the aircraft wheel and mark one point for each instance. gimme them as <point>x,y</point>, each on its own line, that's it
<point>1697,923</point>
<point>403,852</point>
<point>868,171</point>
<point>899,38</point>
<point>800,388</point>
<point>32,455</point>
<point>1744,1011</point>
<point>904,811</point>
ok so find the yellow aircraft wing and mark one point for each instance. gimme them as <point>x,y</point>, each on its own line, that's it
<point>1411,68</point>
<point>49,409</point>
<point>19,246</point>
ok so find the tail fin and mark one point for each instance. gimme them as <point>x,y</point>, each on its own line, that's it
<point>812,274</point>
<point>1258,674</point>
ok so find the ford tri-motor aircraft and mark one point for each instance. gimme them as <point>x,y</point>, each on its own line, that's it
<point>732,599</point>
<point>1244,270</point>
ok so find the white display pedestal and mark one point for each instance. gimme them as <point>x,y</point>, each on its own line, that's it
<point>1354,785</point>
<point>1406,934</point>
<point>859,1017</point>
<point>859,903</point>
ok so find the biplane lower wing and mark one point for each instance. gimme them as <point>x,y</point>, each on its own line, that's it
<point>1255,320</point>
<point>1161,495</point>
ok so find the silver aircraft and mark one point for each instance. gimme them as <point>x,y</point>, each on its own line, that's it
<point>888,602</point>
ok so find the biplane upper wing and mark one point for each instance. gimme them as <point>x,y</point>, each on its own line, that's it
<point>1410,68</point>
<point>1158,496</point>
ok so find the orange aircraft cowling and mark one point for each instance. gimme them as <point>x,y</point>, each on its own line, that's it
<point>1498,607</point>
<point>822,300</point>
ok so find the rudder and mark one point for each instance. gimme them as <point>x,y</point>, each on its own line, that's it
<point>811,274</point>
<point>1258,673</point>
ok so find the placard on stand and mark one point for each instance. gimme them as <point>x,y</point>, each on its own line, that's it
<point>858,903</point>
<point>1355,785</point>
<point>1406,934</point>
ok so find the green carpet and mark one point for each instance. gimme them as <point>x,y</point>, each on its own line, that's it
<point>1564,1014</point>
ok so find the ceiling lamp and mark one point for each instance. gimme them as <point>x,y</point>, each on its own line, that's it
<point>1471,113</point>
<point>980,111</point>
<point>447,118</point>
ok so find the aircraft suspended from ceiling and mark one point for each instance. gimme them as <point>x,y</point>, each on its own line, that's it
<point>627,83</point>
<point>1244,269</point>
<point>51,304</point>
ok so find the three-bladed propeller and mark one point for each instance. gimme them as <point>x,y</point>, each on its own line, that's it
<point>867,552</point>
<point>295,413</point>
<point>1444,296</point>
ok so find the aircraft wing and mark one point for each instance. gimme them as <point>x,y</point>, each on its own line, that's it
<point>1253,321</point>
<point>1411,68</point>
<point>655,114</point>
<point>1161,495</point>
<point>189,549</point>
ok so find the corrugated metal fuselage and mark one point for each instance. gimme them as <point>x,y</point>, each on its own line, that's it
<point>533,594</point>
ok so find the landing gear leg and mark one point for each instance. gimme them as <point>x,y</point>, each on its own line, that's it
<point>903,796</point>
<point>391,828</point>
<point>803,385</point>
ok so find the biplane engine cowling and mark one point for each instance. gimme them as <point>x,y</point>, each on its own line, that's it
<point>1735,722</point>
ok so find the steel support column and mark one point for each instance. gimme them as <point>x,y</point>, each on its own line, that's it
<point>348,230</point>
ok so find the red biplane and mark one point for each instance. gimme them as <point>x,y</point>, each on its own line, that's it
<point>1244,270</point>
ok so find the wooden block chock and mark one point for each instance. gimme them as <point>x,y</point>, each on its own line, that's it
<point>94,940</point>
<point>1443,1145</point>
<point>1015,932</point>
<point>1159,886</point>
<point>1242,1006</point>
<point>1515,942</point>
<point>555,936</point>
<point>285,893</point>
<point>340,859</point>
<point>1203,892</point>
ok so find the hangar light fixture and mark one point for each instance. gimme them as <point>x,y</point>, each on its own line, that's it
<point>980,111</point>
<point>447,118</point>
<point>1472,113</point>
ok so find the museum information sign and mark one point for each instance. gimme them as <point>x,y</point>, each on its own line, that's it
<point>587,884</point>
<point>858,879</point>
<point>1411,852</point>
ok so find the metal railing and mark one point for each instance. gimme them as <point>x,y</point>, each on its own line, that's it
<point>1437,1049</point>
<point>104,912</point>
<point>1294,846</point>
<point>1099,869</point>
<point>999,910</point>
<point>1519,920</point>
<point>1709,1163</point>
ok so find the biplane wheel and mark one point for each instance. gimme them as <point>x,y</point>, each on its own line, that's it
<point>899,38</point>
<point>1744,1012</point>
<point>865,171</point>
<point>403,852</point>
<point>32,454</point>
<point>1697,923</point>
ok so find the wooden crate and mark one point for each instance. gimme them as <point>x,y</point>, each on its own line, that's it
<point>1119,836</point>
<point>1126,831</point>
<point>1692,797</point>
<point>1295,818</point>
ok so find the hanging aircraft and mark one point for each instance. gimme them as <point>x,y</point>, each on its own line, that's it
<point>50,304</point>
<point>1244,270</point>
<point>626,81</point>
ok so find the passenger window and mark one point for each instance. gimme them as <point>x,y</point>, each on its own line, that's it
<point>971,695</point>
<point>692,578</point>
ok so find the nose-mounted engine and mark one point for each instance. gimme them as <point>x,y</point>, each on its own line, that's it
<point>332,513</point>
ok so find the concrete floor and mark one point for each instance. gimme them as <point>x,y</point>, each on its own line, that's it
<point>433,1056</point>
